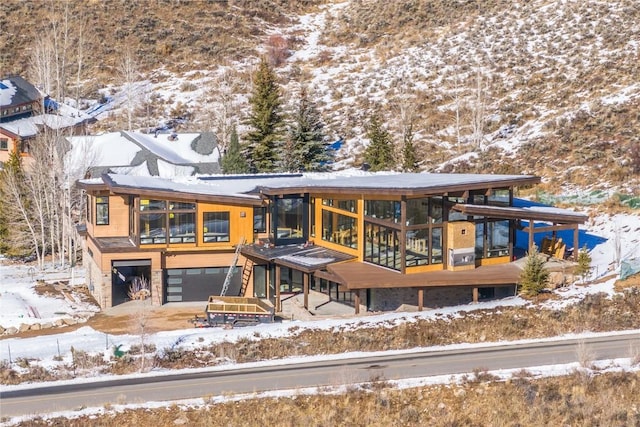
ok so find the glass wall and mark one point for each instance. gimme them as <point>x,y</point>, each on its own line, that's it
<point>497,238</point>
<point>340,229</point>
<point>382,246</point>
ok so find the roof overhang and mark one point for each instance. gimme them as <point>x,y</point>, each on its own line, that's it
<point>418,190</point>
<point>555,215</point>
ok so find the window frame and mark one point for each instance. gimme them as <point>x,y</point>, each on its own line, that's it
<point>101,202</point>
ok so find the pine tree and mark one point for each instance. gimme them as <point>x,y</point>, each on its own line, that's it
<point>233,160</point>
<point>534,276</point>
<point>379,152</point>
<point>306,138</point>
<point>12,175</point>
<point>409,157</point>
<point>584,264</point>
<point>265,120</point>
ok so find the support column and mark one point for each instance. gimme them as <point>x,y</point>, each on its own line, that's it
<point>305,289</point>
<point>475,295</point>
<point>420,299</point>
<point>357,301</point>
<point>576,243</point>
<point>278,302</point>
<point>530,235</point>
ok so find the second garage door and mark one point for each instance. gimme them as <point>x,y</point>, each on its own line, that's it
<point>197,284</point>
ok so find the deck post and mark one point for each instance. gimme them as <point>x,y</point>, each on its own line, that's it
<point>530,236</point>
<point>305,288</point>
<point>475,295</point>
<point>357,301</point>
<point>576,248</point>
<point>420,299</point>
<point>278,303</point>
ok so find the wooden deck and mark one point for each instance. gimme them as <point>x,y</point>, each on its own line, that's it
<point>357,275</point>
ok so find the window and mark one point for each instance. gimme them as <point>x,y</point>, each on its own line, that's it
<point>4,144</point>
<point>497,238</point>
<point>382,209</point>
<point>455,215</point>
<point>345,205</point>
<point>161,220</point>
<point>340,229</point>
<point>215,226</point>
<point>260,219</point>
<point>382,246</point>
<point>417,211</point>
<point>290,220</point>
<point>499,197</point>
<point>102,210</point>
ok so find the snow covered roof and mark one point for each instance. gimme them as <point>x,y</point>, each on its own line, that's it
<point>165,155</point>
<point>251,186</point>
<point>17,91</point>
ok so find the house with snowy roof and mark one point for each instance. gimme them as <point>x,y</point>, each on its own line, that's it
<point>370,241</point>
<point>23,116</point>
<point>165,155</point>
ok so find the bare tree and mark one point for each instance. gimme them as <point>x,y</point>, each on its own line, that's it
<point>128,72</point>
<point>478,111</point>
<point>140,290</point>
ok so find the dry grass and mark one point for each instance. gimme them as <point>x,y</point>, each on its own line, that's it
<point>606,399</point>
<point>596,313</point>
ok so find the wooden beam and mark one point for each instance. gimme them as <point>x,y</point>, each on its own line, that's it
<point>576,243</point>
<point>420,299</point>
<point>475,295</point>
<point>278,303</point>
<point>552,228</point>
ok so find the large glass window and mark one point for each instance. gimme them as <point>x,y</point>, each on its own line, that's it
<point>260,219</point>
<point>153,228</point>
<point>500,197</point>
<point>435,206</point>
<point>436,246</point>
<point>290,219</point>
<point>383,209</point>
<point>215,226</point>
<point>161,220</point>
<point>382,246</point>
<point>417,247</point>
<point>497,238</point>
<point>455,215</point>
<point>4,144</point>
<point>340,229</point>
<point>417,211</point>
<point>102,210</point>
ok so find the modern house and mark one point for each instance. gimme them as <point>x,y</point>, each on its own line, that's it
<point>371,241</point>
<point>25,113</point>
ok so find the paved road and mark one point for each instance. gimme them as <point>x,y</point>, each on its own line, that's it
<point>313,374</point>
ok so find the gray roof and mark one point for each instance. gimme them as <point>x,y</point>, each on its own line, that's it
<point>24,92</point>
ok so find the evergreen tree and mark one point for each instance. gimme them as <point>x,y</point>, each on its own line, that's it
<point>265,120</point>
<point>233,160</point>
<point>534,276</point>
<point>379,152</point>
<point>11,186</point>
<point>584,264</point>
<point>409,157</point>
<point>306,138</point>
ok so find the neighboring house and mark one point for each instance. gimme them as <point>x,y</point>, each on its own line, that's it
<point>131,153</point>
<point>371,241</point>
<point>21,118</point>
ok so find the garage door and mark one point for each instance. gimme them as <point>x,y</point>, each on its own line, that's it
<point>197,284</point>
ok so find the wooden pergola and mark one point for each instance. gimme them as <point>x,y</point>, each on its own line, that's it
<point>560,219</point>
